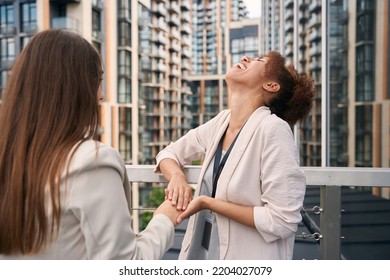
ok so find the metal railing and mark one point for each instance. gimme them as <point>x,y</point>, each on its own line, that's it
<point>329,179</point>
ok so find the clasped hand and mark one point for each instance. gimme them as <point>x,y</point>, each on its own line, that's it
<point>179,192</point>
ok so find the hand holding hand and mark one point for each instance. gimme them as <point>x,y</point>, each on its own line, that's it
<point>168,210</point>
<point>199,203</point>
<point>179,192</point>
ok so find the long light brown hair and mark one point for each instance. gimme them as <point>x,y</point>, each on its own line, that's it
<point>50,106</point>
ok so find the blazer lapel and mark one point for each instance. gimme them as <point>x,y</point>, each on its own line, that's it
<point>239,148</point>
<point>212,149</point>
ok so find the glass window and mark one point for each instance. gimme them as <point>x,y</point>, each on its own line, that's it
<point>23,41</point>
<point>29,17</point>
<point>124,90</point>
<point>96,24</point>
<point>124,33</point>
<point>7,49</point>
<point>3,82</point>
<point>364,135</point>
<point>250,44</point>
<point>125,133</point>
<point>365,73</point>
<point>365,5</point>
<point>124,9</point>
<point>6,14</point>
<point>365,27</point>
<point>124,63</point>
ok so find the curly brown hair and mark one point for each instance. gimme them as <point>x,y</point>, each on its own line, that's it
<point>294,99</point>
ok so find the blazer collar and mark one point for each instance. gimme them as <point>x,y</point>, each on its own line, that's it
<point>239,148</point>
<point>241,144</point>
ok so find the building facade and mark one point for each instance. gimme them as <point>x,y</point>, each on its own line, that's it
<point>146,50</point>
<point>356,83</point>
<point>211,53</point>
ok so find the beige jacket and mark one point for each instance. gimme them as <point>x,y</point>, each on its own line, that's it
<point>262,171</point>
<point>95,220</point>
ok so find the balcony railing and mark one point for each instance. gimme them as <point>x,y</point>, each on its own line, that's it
<point>329,179</point>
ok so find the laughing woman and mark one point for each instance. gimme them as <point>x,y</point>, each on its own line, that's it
<point>251,188</point>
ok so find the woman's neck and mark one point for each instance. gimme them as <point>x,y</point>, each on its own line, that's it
<point>241,108</point>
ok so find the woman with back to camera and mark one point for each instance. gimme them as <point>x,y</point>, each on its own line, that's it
<point>251,189</point>
<point>64,195</point>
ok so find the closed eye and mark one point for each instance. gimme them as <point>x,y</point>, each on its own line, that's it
<point>261,58</point>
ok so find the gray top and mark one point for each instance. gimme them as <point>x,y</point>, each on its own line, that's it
<point>196,250</point>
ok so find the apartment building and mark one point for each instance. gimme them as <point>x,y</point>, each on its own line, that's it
<point>356,87</point>
<point>211,53</point>
<point>146,50</point>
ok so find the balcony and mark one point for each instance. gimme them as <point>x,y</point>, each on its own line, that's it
<point>185,5</point>
<point>341,217</point>
<point>160,10</point>
<point>175,7</point>
<point>288,3</point>
<point>99,4</point>
<point>315,6</point>
<point>65,22</point>
<point>7,30</point>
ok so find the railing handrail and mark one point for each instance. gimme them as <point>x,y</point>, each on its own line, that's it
<point>315,176</point>
<point>330,180</point>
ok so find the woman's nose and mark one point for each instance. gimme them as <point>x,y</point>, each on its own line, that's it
<point>245,58</point>
<point>100,95</point>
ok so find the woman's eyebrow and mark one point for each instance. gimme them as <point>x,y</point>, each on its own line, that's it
<point>259,58</point>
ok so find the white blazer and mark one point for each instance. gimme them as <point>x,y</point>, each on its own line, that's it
<point>262,171</point>
<point>95,217</point>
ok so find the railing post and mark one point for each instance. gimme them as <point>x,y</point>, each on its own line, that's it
<point>330,222</point>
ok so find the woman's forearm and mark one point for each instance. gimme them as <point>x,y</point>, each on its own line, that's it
<point>178,191</point>
<point>236,212</point>
<point>170,168</point>
<point>239,213</point>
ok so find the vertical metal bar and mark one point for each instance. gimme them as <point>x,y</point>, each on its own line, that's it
<point>282,31</point>
<point>324,85</point>
<point>296,57</point>
<point>330,222</point>
<point>134,109</point>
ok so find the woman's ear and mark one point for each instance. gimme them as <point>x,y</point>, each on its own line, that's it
<point>271,86</point>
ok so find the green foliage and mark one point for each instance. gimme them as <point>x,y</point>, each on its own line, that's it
<point>145,218</point>
<point>196,162</point>
<point>156,197</point>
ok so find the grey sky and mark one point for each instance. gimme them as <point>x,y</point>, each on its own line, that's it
<point>253,7</point>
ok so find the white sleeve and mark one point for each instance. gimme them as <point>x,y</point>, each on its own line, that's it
<point>98,201</point>
<point>193,145</point>
<point>283,184</point>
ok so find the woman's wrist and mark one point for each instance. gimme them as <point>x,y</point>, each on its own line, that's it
<point>178,175</point>
<point>206,202</point>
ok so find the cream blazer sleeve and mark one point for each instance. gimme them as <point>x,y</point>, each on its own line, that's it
<point>194,144</point>
<point>283,182</point>
<point>98,201</point>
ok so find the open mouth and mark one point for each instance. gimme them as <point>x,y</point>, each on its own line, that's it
<point>240,66</point>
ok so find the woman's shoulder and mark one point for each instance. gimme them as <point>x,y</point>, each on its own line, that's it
<point>272,121</point>
<point>92,147</point>
<point>92,153</point>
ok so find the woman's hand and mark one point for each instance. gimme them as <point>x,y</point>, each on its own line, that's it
<point>178,191</point>
<point>199,203</point>
<point>168,210</point>
<point>239,213</point>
